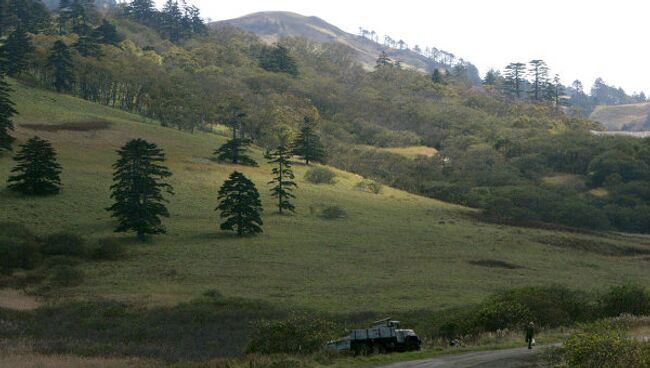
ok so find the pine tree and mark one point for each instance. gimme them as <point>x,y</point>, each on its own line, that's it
<point>240,205</point>
<point>171,17</point>
<point>514,79</point>
<point>556,92</point>
<point>278,60</point>
<point>142,10</point>
<point>37,172</point>
<point>15,52</point>
<point>282,178</point>
<point>88,45</point>
<point>383,61</point>
<point>308,145</point>
<point>538,72</point>
<point>491,78</point>
<point>60,62</point>
<point>235,151</point>
<point>82,13</point>
<point>65,8</point>
<point>138,188</point>
<point>107,34</point>
<point>437,77</point>
<point>7,110</point>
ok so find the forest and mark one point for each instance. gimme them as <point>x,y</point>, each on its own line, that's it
<point>514,147</point>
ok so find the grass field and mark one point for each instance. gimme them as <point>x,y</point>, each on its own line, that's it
<point>393,252</point>
<point>614,117</point>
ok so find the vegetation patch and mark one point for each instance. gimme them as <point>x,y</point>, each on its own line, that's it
<point>494,263</point>
<point>320,175</point>
<point>74,127</point>
<point>593,246</point>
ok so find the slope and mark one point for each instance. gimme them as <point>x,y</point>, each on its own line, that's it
<point>275,25</point>
<point>393,252</point>
<point>631,117</point>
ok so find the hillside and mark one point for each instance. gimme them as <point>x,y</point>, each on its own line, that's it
<point>273,26</point>
<point>631,117</point>
<point>394,251</point>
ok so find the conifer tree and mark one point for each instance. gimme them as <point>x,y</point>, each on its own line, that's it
<point>60,62</point>
<point>7,110</point>
<point>15,52</point>
<point>142,10</point>
<point>282,178</point>
<point>240,205</point>
<point>107,34</point>
<point>235,151</point>
<point>514,79</point>
<point>138,188</point>
<point>278,60</point>
<point>88,45</point>
<point>437,77</point>
<point>383,61</point>
<point>65,7</point>
<point>172,18</point>
<point>37,172</point>
<point>538,72</point>
<point>307,145</point>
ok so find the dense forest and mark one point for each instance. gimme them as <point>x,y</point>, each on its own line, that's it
<point>514,146</point>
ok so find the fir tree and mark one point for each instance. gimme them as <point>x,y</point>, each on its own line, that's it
<point>7,110</point>
<point>235,151</point>
<point>15,52</point>
<point>437,77</point>
<point>65,8</point>
<point>240,205</point>
<point>107,34</point>
<point>60,62</point>
<point>172,18</point>
<point>514,79</point>
<point>538,72</point>
<point>278,60</point>
<point>282,178</point>
<point>308,145</point>
<point>138,188</point>
<point>37,172</point>
<point>383,61</point>
<point>142,10</point>
<point>88,45</point>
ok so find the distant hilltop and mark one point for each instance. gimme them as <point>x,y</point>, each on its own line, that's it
<point>275,25</point>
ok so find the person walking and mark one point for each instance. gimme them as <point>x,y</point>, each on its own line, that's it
<point>530,335</point>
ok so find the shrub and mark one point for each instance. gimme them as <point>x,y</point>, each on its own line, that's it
<point>320,175</point>
<point>108,249</point>
<point>17,254</point>
<point>603,345</point>
<point>628,298</point>
<point>369,186</point>
<point>64,244</point>
<point>67,276</point>
<point>298,334</point>
<point>498,314</point>
<point>333,213</point>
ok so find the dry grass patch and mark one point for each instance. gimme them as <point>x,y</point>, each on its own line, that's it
<point>17,300</point>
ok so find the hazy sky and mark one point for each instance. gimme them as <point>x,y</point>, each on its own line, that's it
<point>579,39</point>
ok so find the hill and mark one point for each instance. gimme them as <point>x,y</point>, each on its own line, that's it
<point>630,117</point>
<point>273,26</point>
<point>393,252</point>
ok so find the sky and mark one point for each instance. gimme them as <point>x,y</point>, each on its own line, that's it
<point>579,39</point>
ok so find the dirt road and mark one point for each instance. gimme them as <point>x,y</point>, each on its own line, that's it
<point>511,358</point>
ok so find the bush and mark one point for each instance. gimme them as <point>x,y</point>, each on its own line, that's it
<point>299,334</point>
<point>108,249</point>
<point>64,244</point>
<point>320,175</point>
<point>625,299</point>
<point>17,254</point>
<point>333,213</point>
<point>369,186</point>
<point>498,314</point>
<point>604,345</point>
<point>67,276</point>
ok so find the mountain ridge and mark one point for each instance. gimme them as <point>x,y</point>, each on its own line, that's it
<point>272,26</point>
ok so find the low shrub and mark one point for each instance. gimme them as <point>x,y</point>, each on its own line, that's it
<point>17,254</point>
<point>67,276</point>
<point>298,334</point>
<point>369,186</point>
<point>333,213</point>
<point>320,175</point>
<point>108,249</point>
<point>64,244</point>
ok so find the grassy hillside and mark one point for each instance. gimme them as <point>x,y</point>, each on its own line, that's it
<point>394,251</point>
<point>615,117</point>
